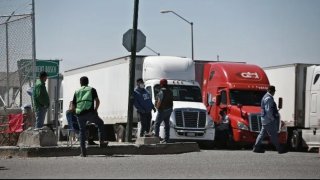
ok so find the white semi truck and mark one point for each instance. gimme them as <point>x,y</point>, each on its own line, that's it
<point>189,120</point>
<point>299,86</point>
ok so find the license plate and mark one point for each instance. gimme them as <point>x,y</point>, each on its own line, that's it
<point>191,134</point>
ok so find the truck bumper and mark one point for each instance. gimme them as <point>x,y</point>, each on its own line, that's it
<point>189,135</point>
<point>249,137</point>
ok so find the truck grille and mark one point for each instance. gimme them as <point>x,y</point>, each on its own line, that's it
<point>255,122</point>
<point>190,118</point>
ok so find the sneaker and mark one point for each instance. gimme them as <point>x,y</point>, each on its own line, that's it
<point>103,144</point>
<point>282,151</point>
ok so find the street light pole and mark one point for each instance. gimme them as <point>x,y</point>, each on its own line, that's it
<point>191,23</point>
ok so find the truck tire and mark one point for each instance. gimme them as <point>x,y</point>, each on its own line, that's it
<point>224,137</point>
<point>110,132</point>
<point>230,144</point>
<point>295,140</point>
<point>120,132</point>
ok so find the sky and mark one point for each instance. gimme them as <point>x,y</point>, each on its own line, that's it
<point>261,32</point>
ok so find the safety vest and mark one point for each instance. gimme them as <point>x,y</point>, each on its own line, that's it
<point>84,99</point>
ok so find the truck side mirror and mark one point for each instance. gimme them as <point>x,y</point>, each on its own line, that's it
<point>280,103</point>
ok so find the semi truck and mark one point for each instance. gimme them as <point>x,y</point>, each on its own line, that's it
<point>232,93</point>
<point>299,86</point>
<point>189,120</point>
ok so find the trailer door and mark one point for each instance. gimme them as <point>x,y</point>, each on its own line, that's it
<point>315,99</point>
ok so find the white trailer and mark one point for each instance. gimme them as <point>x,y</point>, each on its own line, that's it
<point>189,120</point>
<point>299,86</point>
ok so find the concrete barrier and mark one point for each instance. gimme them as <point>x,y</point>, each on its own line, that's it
<point>37,138</point>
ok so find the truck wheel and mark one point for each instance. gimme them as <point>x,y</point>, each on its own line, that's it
<point>120,132</point>
<point>110,132</point>
<point>295,140</point>
<point>229,139</point>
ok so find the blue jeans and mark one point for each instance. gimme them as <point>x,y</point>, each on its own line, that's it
<point>72,122</point>
<point>92,117</point>
<point>272,130</point>
<point>145,120</point>
<point>40,116</point>
<point>163,115</point>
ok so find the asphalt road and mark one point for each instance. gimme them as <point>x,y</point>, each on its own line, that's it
<point>226,164</point>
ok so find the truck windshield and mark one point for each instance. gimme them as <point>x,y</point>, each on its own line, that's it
<point>246,97</point>
<point>182,93</point>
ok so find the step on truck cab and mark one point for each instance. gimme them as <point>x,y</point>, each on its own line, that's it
<point>232,93</point>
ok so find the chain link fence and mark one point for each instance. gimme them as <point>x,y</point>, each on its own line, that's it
<point>16,38</point>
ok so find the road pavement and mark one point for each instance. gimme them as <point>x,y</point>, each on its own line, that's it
<point>226,164</point>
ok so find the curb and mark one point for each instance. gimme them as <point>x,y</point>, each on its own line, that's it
<point>113,149</point>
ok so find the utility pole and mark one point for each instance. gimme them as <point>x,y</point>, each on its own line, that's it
<point>33,49</point>
<point>132,72</point>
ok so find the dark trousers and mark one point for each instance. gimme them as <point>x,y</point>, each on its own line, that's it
<point>163,115</point>
<point>145,120</point>
<point>92,117</point>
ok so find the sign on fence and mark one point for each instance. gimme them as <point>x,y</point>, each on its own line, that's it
<point>50,66</point>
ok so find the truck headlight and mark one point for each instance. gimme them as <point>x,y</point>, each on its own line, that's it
<point>242,126</point>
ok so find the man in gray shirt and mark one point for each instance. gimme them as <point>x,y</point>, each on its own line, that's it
<point>270,122</point>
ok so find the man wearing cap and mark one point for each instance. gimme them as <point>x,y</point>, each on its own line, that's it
<point>143,104</point>
<point>164,104</point>
<point>270,122</point>
<point>41,99</point>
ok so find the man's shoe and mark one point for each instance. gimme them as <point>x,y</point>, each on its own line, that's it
<point>103,144</point>
<point>257,150</point>
<point>83,155</point>
<point>283,151</point>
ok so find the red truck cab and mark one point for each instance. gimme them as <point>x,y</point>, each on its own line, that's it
<point>232,93</point>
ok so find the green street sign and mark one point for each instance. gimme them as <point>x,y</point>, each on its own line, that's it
<point>49,66</point>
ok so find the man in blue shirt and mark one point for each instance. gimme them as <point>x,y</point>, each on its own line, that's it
<point>270,122</point>
<point>143,104</point>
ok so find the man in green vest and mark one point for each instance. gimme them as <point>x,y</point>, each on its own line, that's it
<point>87,110</point>
<point>41,99</point>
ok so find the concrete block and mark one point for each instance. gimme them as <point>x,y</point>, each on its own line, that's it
<point>147,140</point>
<point>37,138</point>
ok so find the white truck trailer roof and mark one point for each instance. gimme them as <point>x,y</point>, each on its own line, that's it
<point>168,67</point>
